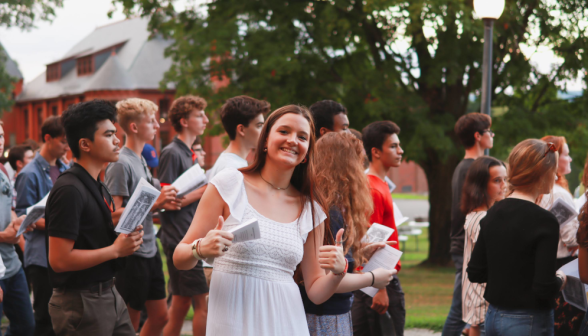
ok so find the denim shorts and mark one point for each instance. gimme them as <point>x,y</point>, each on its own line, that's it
<point>518,322</point>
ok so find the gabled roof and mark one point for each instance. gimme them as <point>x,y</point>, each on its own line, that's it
<point>10,65</point>
<point>138,64</point>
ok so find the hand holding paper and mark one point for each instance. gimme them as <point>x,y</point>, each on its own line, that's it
<point>218,241</point>
<point>386,258</point>
<point>192,179</point>
<point>138,206</point>
<point>34,213</point>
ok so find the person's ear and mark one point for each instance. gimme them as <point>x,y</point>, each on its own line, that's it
<point>85,145</point>
<point>47,138</point>
<point>376,153</point>
<point>184,122</point>
<point>240,130</point>
<point>324,131</point>
<point>19,164</point>
<point>133,128</point>
<point>478,136</point>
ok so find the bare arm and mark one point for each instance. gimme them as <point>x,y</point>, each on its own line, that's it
<point>64,258</point>
<point>194,196</point>
<point>204,224</point>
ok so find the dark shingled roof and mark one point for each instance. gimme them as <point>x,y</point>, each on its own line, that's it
<point>10,66</point>
<point>138,64</point>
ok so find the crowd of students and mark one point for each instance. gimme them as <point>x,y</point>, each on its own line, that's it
<point>314,186</point>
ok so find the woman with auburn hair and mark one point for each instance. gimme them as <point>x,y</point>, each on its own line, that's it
<point>484,185</point>
<point>567,317</point>
<point>252,291</point>
<point>517,247</point>
<point>340,176</point>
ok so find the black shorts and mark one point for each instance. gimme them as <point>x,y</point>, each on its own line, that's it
<point>141,280</point>
<point>185,283</point>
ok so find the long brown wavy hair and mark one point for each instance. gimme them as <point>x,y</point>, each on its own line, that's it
<point>559,142</point>
<point>304,176</point>
<point>340,176</point>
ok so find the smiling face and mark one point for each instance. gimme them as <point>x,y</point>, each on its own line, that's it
<point>391,153</point>
<point>288,140</point>
<point>105,146</point>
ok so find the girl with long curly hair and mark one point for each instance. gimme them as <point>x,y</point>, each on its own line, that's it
<point>340,176</point>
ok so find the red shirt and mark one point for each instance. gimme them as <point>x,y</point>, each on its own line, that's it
<point>383,208</point>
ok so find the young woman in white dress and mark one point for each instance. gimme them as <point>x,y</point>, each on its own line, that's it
<point>252,291</point>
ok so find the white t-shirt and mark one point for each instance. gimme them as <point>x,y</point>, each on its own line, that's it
<point>226,160</point>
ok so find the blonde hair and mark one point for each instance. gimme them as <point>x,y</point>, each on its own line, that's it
<point>530,163</point>
<point>130,110</point>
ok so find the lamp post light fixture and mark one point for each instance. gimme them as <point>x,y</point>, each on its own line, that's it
<point>489,11</point>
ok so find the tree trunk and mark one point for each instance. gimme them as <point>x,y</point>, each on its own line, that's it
<point>439,177</point>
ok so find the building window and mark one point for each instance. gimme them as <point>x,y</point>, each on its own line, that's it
<point>40,121</point>
<point>26,123</point>
<point>54,110</point>
<point>85,65</point>
<point>53,72</point>
<point>163,109</point>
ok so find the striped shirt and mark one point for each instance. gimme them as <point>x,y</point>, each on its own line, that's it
<point>474,305</point>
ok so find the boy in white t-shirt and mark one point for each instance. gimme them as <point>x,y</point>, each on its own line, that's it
<point>242,118</point>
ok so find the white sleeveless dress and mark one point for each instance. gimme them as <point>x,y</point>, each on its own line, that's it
<point>252,292</point>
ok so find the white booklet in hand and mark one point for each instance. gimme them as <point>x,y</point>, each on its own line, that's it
<point>138,206</point>
<point>34,213</point>
<point>378,233</point>
<point>385,258</point>
<point>192,179</point>
<point>247,231</point>
<point>563,211</point>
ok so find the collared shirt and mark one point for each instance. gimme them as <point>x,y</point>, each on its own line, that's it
<point>76,210</point>
<point>122,178</point>
<point>175,159</point>
<point>33,183</point>
<point>7,252</point>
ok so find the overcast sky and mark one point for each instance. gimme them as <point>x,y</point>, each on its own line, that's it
<point>33,49</point>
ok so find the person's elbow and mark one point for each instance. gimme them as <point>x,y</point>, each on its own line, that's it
<point>58,265</point>
<point>180,260</point>
<point>317,299</point>
<point>476,276</point>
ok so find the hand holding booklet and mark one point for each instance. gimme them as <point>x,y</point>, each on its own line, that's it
<point>192,179</point>
<point>34,213</point>
<point>563,211</point>
<point>385,258</point>
<point>246,231</point>
<point>138,206</point>
<point>378,233</point>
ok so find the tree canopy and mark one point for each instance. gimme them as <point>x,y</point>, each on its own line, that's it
<point>415,62</point>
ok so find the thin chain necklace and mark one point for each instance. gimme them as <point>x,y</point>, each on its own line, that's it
<point>273,186</point>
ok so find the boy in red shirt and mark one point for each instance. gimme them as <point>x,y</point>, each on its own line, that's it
<point>382,146</point>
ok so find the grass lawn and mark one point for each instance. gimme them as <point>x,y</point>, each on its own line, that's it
<point>409,196</point>
<point>428,291</point>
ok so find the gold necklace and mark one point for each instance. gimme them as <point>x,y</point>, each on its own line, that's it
<point>273,186</point>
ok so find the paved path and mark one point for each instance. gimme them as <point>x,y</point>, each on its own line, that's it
<point>413,208</point>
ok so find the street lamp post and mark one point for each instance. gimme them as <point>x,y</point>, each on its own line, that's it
<point>489,11</point>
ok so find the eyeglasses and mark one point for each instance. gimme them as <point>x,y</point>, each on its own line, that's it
<point>550,148</point>
<point>487,131</point>
<point>198,150</point>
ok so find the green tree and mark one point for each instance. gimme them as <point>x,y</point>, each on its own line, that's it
<point>21,14</point>
<point>414,62</point>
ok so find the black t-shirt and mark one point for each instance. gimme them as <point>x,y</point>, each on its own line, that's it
<point>458,217</point>
<point>515,255</point>
<point>76,210</point>
<point>339,303</point>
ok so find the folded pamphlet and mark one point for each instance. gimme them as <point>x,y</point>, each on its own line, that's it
<point>386,258</point>
<point>138,206</point>
<point>574,293</point>
<point>378,233</point>
<point>192,179</point>
<point>34,213</point>
<point>563,211</point>
<point>247,231</point>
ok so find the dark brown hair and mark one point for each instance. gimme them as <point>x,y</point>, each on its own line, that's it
<point>475,187</point>
<point>17,153</point>
<point>241,110</point>
<point>559,143</point>
<point>197,141</point>
<point>323,113</point>
<point>340,175</point>
<point>374,135</point>
<point>53,127</point>
<point>182,107</point>
<point>530,163</point>
<point>468,125</point>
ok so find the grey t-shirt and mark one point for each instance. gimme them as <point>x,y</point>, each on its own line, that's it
<point>7,252</point>
<point>226,160</point>
<point>458,217</point>
<point>122,178</point>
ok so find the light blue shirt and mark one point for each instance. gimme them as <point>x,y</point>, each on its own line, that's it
<point>9,256</point>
